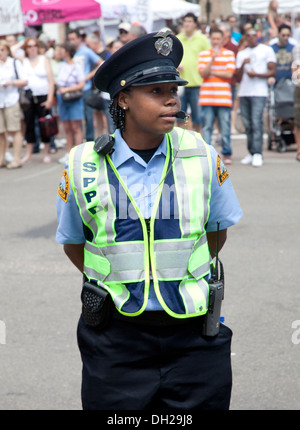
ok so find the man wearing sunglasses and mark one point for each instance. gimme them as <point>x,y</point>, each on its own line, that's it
<point>124,32</point>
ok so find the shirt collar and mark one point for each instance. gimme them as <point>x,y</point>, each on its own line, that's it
<point>123,153</point>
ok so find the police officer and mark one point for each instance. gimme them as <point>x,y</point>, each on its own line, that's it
<point>137,215</point>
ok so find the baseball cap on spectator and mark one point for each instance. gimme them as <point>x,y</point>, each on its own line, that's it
<point>124,26</point>
<point>44,38</point>
<point>251,32</point>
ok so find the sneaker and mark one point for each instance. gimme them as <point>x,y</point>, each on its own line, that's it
<point>8,157</point>
<point>257,160</point>
<point>227,160</point>
<point>60,142</point>
<point>247,159</point>
<point>47,159</point>
<point>64,159</point>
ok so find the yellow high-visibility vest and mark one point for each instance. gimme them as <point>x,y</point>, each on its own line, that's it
<point>126,252</point>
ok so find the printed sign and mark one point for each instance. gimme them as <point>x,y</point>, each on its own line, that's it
<point>38,12</point>
<point>11,18</point>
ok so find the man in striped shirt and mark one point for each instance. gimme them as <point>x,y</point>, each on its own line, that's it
<point>217,66</point>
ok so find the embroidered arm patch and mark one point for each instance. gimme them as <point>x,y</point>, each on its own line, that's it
<point>222,172</point>
<point>63,189</point>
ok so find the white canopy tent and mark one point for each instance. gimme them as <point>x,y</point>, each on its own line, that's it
<point>149,13</point>
<point>152,14</point>
<point>161,9</point>
<point>260,7</point>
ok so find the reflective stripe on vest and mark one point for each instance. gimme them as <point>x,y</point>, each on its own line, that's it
<point>125,265</point>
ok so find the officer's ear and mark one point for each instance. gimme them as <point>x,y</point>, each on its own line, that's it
<point>123,99</point>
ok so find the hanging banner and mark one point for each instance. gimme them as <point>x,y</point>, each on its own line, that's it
<point>11,17</point>
<point>38,12</point>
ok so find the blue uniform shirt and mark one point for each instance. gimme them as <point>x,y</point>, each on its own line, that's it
<point>142,180</point>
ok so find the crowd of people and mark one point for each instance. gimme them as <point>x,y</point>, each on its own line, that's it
<point>229,64</point>
<point>58,80</point>
<point>245,59</point>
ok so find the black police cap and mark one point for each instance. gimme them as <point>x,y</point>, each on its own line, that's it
<point>152,58</point>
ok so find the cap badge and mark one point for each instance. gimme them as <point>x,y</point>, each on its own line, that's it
<point>122,83</point>
<point>164,45</point>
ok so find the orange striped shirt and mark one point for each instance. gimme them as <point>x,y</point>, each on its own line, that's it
<point>216,91</point>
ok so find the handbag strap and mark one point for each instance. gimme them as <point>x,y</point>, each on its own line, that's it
<point>15,67</point>
<point>70,74</point>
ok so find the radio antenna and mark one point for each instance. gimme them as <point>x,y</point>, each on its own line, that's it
<point>217,251</point>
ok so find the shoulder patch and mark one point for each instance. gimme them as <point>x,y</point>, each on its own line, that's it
<point>63,189</point>
<point>222,172</point>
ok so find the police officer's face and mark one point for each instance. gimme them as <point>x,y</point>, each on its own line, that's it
<point>151,108</point>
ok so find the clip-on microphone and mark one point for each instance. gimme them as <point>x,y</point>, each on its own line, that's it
<point>182,115</point>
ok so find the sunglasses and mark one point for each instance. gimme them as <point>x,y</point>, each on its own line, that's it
<point>123,31</point>
<point>31,46</point>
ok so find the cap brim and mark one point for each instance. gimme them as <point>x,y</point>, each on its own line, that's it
<point>160,79</point>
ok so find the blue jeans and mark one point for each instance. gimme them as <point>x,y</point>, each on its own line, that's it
<point>223,113</point>
<point>252,112</point>
<point>88,117</point>
<point>190,98</point>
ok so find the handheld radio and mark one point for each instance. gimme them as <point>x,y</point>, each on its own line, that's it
<point>211,325</point>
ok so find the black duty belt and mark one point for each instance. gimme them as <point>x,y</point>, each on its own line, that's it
<point>158,318</point>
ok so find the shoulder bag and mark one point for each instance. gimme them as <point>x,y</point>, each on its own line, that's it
<point>95,100</point>
<point>25,96</point>
<point>70,96</point>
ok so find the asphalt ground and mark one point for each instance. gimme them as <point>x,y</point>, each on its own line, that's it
<point>40,367</point>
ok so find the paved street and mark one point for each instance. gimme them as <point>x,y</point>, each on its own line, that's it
<point>40,290</point>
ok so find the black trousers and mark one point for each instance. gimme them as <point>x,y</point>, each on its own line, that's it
<point>138,367</point>
<point>35,110</point>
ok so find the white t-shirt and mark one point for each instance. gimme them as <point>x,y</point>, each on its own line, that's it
<point>259,56</point>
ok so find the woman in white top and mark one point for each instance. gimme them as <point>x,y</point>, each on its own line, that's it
<point>10,111</point>
<point>40,81</point>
